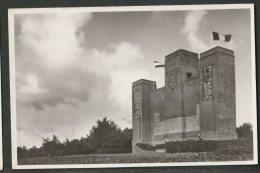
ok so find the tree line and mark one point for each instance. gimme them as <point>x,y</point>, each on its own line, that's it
<point>105,137</point>
<point>245,130</point>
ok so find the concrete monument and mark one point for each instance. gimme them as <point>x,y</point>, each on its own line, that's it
<point>197,101</point>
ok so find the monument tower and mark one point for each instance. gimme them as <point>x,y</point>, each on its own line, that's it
<point>198,99</point>
<point>217,94</point>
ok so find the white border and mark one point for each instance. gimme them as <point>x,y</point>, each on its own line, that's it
<point>12,12</point>
<point>1,126</point>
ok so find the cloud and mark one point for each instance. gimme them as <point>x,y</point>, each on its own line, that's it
<point>49,68</point>
<point>125,65</point>
<point>58,77</point>
<point>53,38</point>
<point>192,24</point>
<point>54,66</point>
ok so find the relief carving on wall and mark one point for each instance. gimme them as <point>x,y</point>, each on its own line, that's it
<point>172,77</point>
<point>207,82</point>
<point>136,104</point>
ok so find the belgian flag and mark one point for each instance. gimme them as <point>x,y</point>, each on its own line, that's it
<point>219,36</point>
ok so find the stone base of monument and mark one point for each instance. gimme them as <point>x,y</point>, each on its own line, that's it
<point>160,150</point>
<point>137,150</point>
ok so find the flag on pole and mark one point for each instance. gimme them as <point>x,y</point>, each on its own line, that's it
<point>157,64</point>
<point>219,36</point>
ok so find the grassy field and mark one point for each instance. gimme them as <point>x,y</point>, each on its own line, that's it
<point>137,158</point>
<point>238,150</point>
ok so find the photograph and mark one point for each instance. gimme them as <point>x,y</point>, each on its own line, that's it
<point>1,141</point>
<point>132,86</point>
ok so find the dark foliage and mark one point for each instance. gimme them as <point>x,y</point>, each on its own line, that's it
<point>104,138</point>
<point>237,146</point>
<point>160,146</point>
<point>245,130</point>
<point>146,147</point>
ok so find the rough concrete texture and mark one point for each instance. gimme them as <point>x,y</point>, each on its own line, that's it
<point>198,99</point>
<point>218,115</point>
<point>174,125</point>
<point>142,110</point>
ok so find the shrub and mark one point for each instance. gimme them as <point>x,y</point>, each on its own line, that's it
<point>146,147</point>
<point>160,146</point>
<point>245,130</point>
<point>235,146</point>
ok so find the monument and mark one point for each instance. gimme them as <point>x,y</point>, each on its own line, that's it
<point>198,100</point>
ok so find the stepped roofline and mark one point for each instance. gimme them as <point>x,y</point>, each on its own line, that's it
<point>144,81</point>
<point>217,49</point>
<point>181,52</point>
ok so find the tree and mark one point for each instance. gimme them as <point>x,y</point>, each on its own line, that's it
<point>22,152</point>
<point>127,137</point>
<point>52,147</point>
<point>104,135</point>
<point>245,130</point>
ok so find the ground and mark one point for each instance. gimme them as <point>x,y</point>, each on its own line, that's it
<point>136,158</point>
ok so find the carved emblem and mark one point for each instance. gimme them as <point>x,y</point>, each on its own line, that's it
<point>172,77</point>
<point>207,74</point>
<point>136,104</point>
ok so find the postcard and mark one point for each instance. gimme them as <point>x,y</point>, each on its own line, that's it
<point>1,141</point>
<point>139,86</point>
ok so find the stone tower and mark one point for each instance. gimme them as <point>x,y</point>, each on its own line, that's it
<point>181,86</point>
<point>141,108</point>
<point>197,101</point>
<point>217,94</point>
<point>180,66</point>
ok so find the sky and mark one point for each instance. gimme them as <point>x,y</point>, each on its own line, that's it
<point>75,68</point>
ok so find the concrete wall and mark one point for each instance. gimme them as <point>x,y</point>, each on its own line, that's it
<point>201,102</point>
<point>158,98</point>
<point>218,117</point>
<point>191,95</point>
<point>192,123</point>
<point>173,90</point>
<point>226,119</point>
<point>174,125</point>
<point>158,107</point>
<point>177,65</point>
<point>172,129</point>
<point>207,106</point>
<point>142,110</point>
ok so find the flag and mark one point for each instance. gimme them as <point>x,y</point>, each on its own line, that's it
<point>157,64</point>
<point>219,36</point>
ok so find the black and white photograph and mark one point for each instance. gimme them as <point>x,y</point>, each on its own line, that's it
<point>139,86</point>
<point>1,149</point>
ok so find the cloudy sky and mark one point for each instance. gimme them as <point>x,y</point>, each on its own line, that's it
<point>73,69</point>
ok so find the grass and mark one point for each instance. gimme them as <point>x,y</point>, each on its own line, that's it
<point>136,158</point>
<point>240,150</point>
